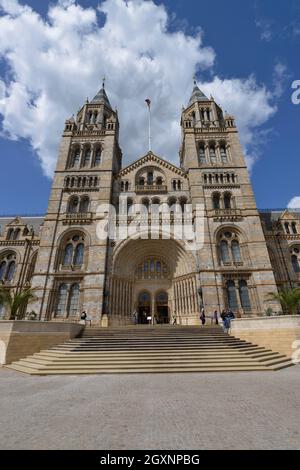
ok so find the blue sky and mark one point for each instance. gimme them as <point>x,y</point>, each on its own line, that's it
<point>249,38</point>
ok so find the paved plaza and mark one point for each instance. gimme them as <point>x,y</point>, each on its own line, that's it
<point>246,410</point>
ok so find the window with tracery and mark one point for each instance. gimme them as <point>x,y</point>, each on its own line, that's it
<point>152,268</point>
<point>67,300</point>
<point>229,248</point>
<point>295,258</point>
<point>73,253</point>
<point>7,267</point>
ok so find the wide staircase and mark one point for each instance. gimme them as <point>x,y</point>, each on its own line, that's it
<point>151,349</point>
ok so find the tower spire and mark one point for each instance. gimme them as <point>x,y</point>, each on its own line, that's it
<point>197,94</point>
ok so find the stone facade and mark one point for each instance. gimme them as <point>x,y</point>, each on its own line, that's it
<point>244,255</point>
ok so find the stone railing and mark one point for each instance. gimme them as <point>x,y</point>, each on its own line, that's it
<point>151,188</point>
<point>78,218</point>
<point>227,214</point>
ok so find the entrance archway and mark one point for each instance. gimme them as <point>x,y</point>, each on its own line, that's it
<point>162,307</point>
<point>144,307</point>
<point>150,267</point>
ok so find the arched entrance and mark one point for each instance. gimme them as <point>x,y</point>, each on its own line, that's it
<point>154,277</point>
<point>162,307</point>
<point>144,307</point>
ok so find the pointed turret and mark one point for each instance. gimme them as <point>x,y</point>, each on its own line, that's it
<point>101,97</point>
<point>197,95</point>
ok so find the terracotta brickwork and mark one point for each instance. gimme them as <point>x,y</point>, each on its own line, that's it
<point>168,279</point>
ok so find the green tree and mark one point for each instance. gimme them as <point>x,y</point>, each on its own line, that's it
<point>15,301</point>
<point>289,299</point>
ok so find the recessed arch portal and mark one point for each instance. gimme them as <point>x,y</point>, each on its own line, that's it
<point>163,268</point>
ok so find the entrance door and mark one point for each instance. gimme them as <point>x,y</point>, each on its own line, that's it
<point>162,308</point>
<point>144,307</point>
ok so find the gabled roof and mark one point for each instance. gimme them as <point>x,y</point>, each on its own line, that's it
<point>34,221</point>
<point>17,221</point>
<point>151,159</point>
<point>287,215</point>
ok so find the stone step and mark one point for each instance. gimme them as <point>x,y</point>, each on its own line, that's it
<point>151,370</point>
<point>152,354</point>
<point>151,350</point>
<point>170,362</point>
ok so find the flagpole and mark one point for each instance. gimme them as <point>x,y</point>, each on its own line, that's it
<point>149,128</point>
<point>148,101</point>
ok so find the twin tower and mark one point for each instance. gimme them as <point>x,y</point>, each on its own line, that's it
<point>156,277</point>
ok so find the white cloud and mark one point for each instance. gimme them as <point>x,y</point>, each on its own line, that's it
<point>54,63</point>
<point>294,203</point>
<point>281,77</point>
<point>265,26</point>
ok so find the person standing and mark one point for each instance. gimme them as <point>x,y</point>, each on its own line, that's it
<point>215,317</point>
<point>84,319</point>
<point>135,317</point>
<point>202,317</point>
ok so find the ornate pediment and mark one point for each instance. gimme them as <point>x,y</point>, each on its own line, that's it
<point>17,221</point>
<point>150,159</point>
<point>287,215</point>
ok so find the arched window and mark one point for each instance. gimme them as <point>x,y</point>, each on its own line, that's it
<point>2,270</point>
<point>244,295</point>
<point>68,254</point>
<point>98,157</point>
<point>216,201</point>
<point>61,300</point>
<point>10,234</point>
<point>73,205</point>
<point>87,157</point>
<point>129,204</point>
<point>10,271</point>
<point>152,268</point>
<point>142,181</point>
<point>146,203</point>
<point>84,205</point>
<point>78,256</point>
<point>74,251</point>
<point>156,201</point>
<point>223,153</point>
<point>126,185</point>
<point>144,299</point>
<point>158,181</point>
<point>75,157</point>
<point>235,250</point>
<point>150,178</point>
<point>17,234</point>
<point>294,228</point>
<point>224,251</point>
<point>231,295</point>
<point>295,264</point>
<point>172,203</point>
<point>182,203</point>
<point>202,158</point>
<point>8,267</point>
<point>74,299</point>
<point>227,201</point>
<point>174,185</point>
<point>287,227</point>
<point>212,154</point>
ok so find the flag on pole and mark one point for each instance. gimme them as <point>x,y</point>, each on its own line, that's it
<point>148,102</point>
